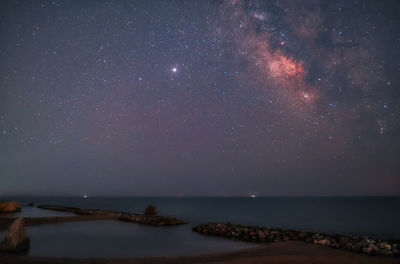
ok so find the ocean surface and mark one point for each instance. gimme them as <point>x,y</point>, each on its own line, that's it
<point>378,217</point>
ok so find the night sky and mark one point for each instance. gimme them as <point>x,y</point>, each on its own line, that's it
<point>189,98</point>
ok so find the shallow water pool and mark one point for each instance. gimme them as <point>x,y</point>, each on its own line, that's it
<point>115,239</point>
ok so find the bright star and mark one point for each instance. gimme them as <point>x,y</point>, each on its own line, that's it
<point>174,69</point>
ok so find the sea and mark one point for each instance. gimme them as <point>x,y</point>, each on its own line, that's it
<point>377,217</point>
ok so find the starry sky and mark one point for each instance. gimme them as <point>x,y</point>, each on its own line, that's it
<point>192,98</point>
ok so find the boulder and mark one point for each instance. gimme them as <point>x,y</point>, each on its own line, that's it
<point>151,210</point>
<point>16,239</point>
<point>8,207</point>
<point>260,234</point>
<point>302,235</point>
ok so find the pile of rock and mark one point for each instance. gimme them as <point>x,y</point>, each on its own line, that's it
<point>145,219</point>
<point>360,244</point>
<point>150,210</point>
<point>9,207</point>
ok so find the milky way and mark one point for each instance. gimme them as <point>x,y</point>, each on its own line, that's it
<point>200,97</point>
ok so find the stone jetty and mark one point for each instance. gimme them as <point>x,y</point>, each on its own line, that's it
<point>155,220</point>
<point>361,244</point>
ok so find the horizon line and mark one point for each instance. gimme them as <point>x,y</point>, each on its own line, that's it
<point>198,196</point>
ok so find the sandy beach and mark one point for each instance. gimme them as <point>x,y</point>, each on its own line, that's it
<point>285,252</point>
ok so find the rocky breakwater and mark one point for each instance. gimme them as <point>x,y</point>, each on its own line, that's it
<point>361,244</point>
<point>9,207</point>
<point>155,220</point>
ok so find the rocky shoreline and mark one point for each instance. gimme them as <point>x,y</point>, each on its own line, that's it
<point>154,220</point>
<point>359,244</point>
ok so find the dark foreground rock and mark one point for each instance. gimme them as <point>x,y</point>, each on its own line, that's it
<point>9,207</point>
<point>151,210</point>
<point>16,239</point>
<point>155,220</point>
<point>360,244</point>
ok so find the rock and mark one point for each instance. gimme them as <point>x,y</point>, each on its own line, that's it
<point>343,241</point>
<point>355,248</point>
<point>371,250</point>
<point>151,210</point>
<point>302,235</point>
<point>309,239</point>
<point>261,234</point>
<point>16,239</point>
<point>8,207</point>
<point>385,246</point>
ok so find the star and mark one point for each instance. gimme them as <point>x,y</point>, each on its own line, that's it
<point>256,81</point>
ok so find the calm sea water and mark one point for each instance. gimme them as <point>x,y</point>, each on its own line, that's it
<point>375,216</point>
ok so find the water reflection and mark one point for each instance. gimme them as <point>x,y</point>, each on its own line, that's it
<point>109,238</point>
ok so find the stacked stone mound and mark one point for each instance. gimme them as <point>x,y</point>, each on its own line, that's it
<point>9,207</point>
<point>16,239</point>
<point>361,244</point>
<point>151,210</point>
<point>155,220</point>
